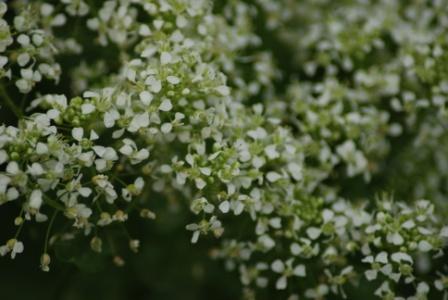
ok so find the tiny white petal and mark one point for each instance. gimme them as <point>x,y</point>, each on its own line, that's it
<point>200,183</point>
<point>382,257</point>
<point>313,232</point>
<point>173,79</point>
<point>273,176</point>
<point>300,271</point>
<point>3,156</point>
<point>36,199</point>
<point>295,249</point>
<point>224,206</point>
<point>281,283</point>
<point>401,256</point>
<point>424,246</point>
<point>166,105</point>
<point>146,97</point>
<point>368,259</point>
<point>223,90</point>
<point>444,231</point>
<point>195,237</point>
<point>371,274</point>
<point>139,121</point>
<point>165,58</point>
<point>166,127</point>
<point>295,170</point>
<point>78,133</point>
<point>93,135</point>
<point>278,266</point>
<point>85,192</point>
<point>87,108</point>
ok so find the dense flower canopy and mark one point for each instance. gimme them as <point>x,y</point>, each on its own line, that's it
<point>310,138</point>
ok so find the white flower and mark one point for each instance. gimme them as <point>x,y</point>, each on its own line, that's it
<point>286,270</point>
<point>134,189</point>
<point>106,187</point>
<point>201,205</point>
<point>130,150</point>
<point>14,246</point>
<point>7,194</point>
<point>196,233</point>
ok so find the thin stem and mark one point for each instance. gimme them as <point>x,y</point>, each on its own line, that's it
<point>20,226</point>
<point>47,235</point>
<point>56,205</point>
<point>14,108</point>
<point>22,102</point>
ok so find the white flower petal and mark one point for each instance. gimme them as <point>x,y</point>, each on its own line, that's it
<point>78,133</point>
<point>300,271</point>
<point>87,108</point>
<point>223,90</point>
<point>165,58</point>
<point>278,266</point>
<point>146,97</point>
<point>166,105</point>
<point>224,206</point>
<point>281,283</point>
<point>35,199</point>
<point>371,274</point>
<point>273,176</point>
<point>173,79</point>
<point>313,232</point>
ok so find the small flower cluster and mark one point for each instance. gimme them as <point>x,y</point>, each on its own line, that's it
<point>194,100</point>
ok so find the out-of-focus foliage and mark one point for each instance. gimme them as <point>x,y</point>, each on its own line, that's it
<point>265,149</point>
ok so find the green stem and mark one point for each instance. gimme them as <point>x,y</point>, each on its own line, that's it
<point>47,235</point>
<point>20,226</point>
<point>56,205</point>
<point>14,108</point>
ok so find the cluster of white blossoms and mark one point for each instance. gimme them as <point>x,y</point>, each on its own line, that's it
<point>286,118</point>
